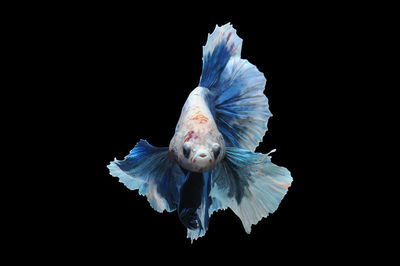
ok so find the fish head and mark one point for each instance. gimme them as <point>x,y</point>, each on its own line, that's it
<point>200,153</point>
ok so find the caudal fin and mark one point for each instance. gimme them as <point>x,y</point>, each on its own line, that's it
<point>237,97</point>
<point>250,184</point>
<point>153,173</point>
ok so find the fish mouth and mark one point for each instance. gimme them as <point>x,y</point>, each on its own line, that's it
<point>202,159</point>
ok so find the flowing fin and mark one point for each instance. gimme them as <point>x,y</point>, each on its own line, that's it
<point>153,173</point>
<point>237,97</point>
<point>250,184</point>
<point>194,204</point>
<point>221,45</point>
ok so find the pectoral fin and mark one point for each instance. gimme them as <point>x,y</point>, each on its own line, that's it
<point>150,170</point>
<point>250,184</point>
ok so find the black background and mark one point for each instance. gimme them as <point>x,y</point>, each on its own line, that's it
<point>120,74</point>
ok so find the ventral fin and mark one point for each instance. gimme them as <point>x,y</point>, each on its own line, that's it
<point>194,204</point>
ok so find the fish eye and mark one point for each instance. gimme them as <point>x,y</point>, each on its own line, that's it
<point>186,150</point>
<point>216,148</point>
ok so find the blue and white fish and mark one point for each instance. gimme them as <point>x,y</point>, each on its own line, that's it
<point>210,163</point>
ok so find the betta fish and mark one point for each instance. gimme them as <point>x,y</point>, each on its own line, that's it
<point>211,163</point>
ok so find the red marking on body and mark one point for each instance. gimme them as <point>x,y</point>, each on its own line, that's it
<point>189,135</point>
<point>194,161</point>
<point>200,117</point>
<point>210,161</point>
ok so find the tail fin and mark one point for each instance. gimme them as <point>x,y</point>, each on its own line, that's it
<point>153,173</point>
<point>237,98</point>
<point>250,184</point>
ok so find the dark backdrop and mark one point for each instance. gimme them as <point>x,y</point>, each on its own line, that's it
<point>123,74</point>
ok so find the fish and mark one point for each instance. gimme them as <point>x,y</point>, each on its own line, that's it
<point>211,163</point>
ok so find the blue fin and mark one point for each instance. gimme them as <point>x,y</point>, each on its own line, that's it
<point>194,203</point>
<point>237,100</point>
<point>249,184</point>
<point>221,45</point>
<point>153,173</point>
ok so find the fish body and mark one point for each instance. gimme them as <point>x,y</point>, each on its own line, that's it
<point>210,163</point>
